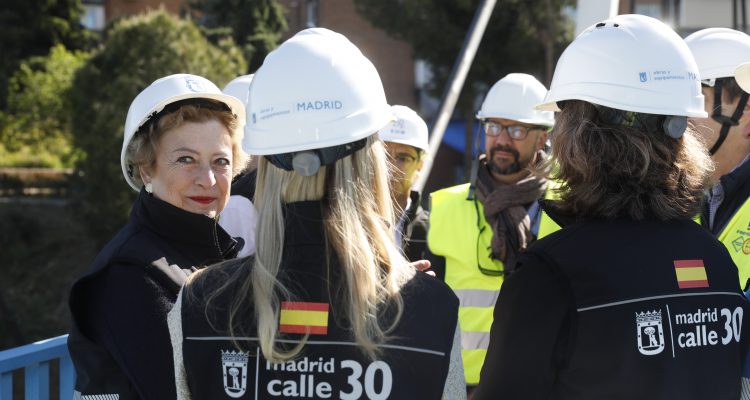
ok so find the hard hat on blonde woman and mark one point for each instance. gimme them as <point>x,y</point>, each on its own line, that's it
<point>313,102</point>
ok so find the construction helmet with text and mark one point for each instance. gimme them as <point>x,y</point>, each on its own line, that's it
<point>633,64</point>
<point>408,128</point>
<point>315,99</point>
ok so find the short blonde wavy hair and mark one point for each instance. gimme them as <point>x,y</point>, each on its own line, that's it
<point>620,171</point>
<point>143,147</point>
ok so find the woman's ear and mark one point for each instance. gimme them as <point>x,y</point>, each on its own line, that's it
<point>145,176</point>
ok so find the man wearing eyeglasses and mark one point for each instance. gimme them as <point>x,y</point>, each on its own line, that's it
<point>726,211</point>
<point>478,229</point>
<point>406,143</point>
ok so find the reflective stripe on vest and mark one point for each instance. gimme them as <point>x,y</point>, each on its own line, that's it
<point>454,235</point>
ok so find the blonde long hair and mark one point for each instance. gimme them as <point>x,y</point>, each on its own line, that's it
<point>359,217</point>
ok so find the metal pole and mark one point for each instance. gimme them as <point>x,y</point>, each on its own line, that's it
<point>455,84</point>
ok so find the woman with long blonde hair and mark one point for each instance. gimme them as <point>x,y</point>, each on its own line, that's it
<point>328,307</point>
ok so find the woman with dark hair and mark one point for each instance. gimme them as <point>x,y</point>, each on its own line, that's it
<point>181,148</point>
<point>631,299</point>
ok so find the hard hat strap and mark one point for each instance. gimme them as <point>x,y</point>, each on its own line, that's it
<point>154,117</point>
<point>671,125</point>
<point>725,121</point>
<point>307,162</point>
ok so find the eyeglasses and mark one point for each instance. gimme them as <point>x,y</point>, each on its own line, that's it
<point>404,159</point>
<point>515,132</point>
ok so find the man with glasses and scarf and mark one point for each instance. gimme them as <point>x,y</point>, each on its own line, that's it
<point>478,229</point>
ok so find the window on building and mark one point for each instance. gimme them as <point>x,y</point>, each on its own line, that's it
<point>93,16</point>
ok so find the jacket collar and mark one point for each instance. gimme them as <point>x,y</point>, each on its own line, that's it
<point>176,224</point>
<point>303,223</point>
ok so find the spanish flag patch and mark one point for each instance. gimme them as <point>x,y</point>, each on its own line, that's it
<point>303,318</point>
<point>690,274</point>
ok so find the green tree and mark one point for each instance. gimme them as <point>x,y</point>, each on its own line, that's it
<point>37,119</point>
<point>136,51</point>
<point>255,25</point>
<point>522,36</point>
<point>32,27</point>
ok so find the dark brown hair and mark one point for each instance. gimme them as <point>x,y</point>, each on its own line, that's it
<point>621,171</point>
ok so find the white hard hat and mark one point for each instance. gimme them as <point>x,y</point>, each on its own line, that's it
<point>515,97</point>
<point>163,92</point>
<point>742,75</point>
<point>314,91</point>
<point>718,51</point>
<point>408,128</point>
<point>239,87</point>
<point>631,63</point>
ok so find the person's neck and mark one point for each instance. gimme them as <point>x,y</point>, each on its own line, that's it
<point>509,179</point>
<point>401,199</point>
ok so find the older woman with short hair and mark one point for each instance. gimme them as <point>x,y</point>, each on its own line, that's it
<point>182,146</point>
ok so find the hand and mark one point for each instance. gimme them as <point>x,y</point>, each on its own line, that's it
<point>423,265</point>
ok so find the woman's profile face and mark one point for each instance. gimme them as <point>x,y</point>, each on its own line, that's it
<point>193,167</point>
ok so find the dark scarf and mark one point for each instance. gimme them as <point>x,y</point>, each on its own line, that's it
<point>505,211</point>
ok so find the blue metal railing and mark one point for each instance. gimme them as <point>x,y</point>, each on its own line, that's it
<point>35,359</point>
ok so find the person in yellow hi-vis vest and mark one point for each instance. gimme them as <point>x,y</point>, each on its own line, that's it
<point>477,229</point>
<point>726,211</point>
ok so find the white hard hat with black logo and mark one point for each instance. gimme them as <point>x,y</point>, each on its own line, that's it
<point>408,128</point>
<point>631,64</point>
<point>156,98</point>
<point>314,100</point>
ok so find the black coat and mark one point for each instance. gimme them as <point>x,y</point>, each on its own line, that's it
<point>416,225</point>
<point>413,365</point>
<point>603,310</point>
<point>119,342</point>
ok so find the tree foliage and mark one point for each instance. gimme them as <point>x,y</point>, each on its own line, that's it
<point>519,37</point>
<point>32,27</point>
<point>255,25</point>
<point>37,119</point>
<point>136,51</point>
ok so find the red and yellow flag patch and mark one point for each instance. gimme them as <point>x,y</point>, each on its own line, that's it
<point>303,318</point>
<point>690,274</point>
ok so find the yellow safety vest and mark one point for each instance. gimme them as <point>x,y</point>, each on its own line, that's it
<point>455,235</point>
<point>736,238</point>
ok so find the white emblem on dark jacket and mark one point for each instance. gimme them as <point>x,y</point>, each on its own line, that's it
<point>650,332</point>
<point>234,369</point>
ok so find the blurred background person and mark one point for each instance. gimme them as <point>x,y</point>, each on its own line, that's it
<point>182,146</point>
<point>477,229</point>
<point>631,299</point>
<point>239,216</point>
<point>328,299</point>
<point>726,211</point>
<point>406,143</point>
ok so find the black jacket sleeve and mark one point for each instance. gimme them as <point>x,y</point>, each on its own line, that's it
<point>127,317</point>
<point>528,335</point>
